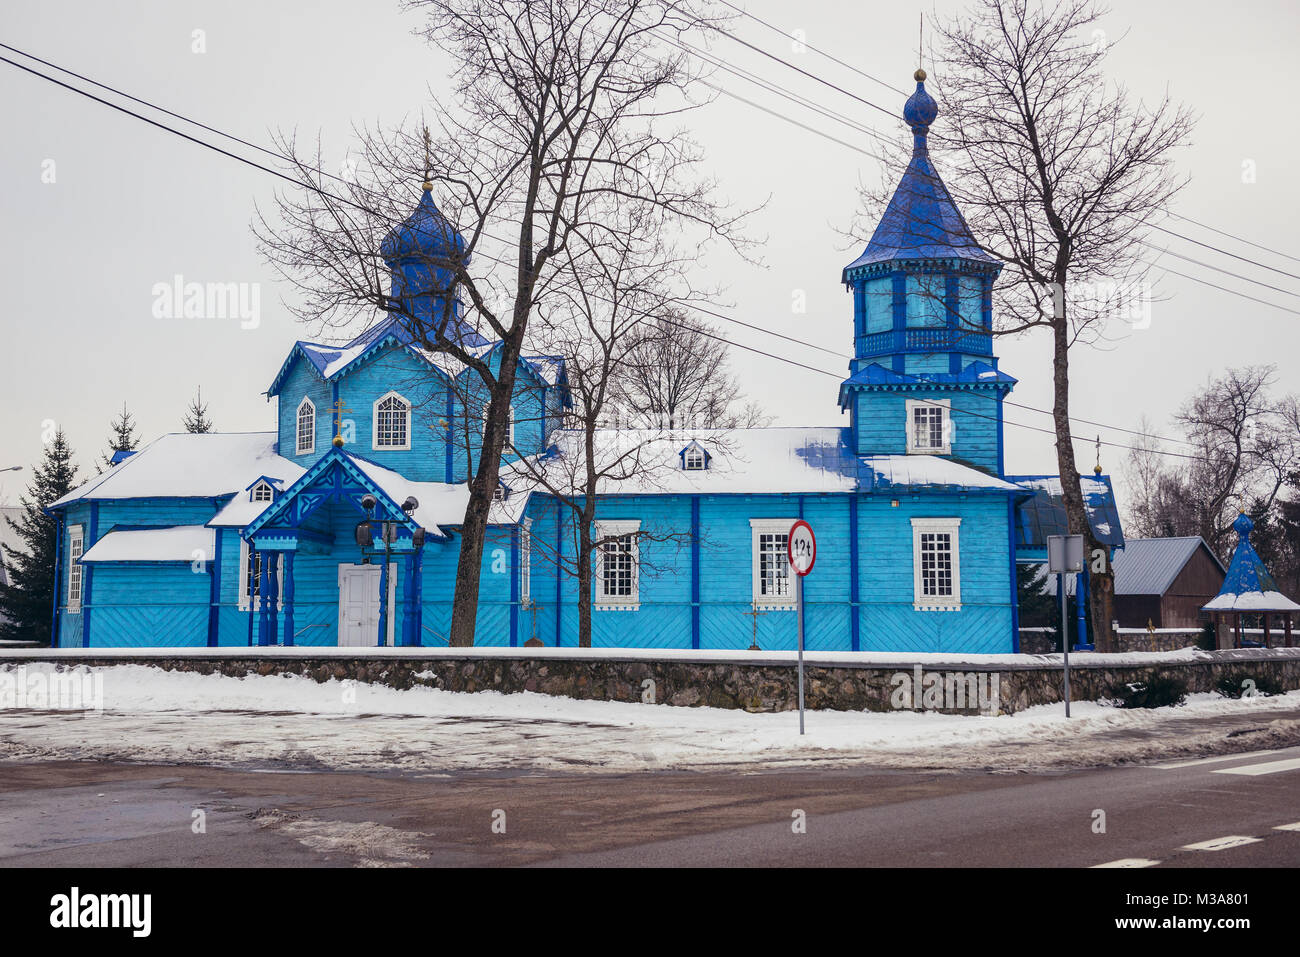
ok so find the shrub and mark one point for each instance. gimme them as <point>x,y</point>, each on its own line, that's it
<point>1208,639</point>
<point>1234,685</point>
<point>1158,691</point>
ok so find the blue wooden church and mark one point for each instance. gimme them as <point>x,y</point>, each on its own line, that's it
<point>251,539</point>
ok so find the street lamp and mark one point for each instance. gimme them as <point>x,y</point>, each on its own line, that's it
<point>365,536</point>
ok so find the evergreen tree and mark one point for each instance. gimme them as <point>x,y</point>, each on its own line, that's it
<point>123,438</point>
<point>27,598</point>
<point>196,416</point>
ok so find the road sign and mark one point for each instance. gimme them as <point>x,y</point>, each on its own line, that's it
<point>801,548</point>
<point>1065,555</point>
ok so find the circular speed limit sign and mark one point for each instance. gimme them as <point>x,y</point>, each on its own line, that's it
<point>801,547</point>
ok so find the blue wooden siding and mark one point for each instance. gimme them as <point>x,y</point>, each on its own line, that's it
<point>881,423</point>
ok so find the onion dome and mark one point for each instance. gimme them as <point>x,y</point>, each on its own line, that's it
<point>426,233</point>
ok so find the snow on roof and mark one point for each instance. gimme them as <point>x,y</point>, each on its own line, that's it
<point>179,543</point>
<point>238,512</point>
<point>931,471</point>
<point>190,465</point>
<point>1252,601</point>
<point>753,461</point>
<point>1044,514</point>
<point>440,504</point>
<point>1248,585</point>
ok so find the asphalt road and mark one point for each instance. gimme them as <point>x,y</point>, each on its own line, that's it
<point>1229,811</point>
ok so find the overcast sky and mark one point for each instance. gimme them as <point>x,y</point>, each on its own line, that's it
<point>131,206</point>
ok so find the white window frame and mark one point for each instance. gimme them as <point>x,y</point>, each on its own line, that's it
<point>694,459</point>
<point>950,527</point>
<point>248,601</point>
<point>299,448</point>
<point>607,529</point>
<point>945,407</point>
<point>76,548</point>
<point>526,564</point>
<point>759,527</point>
<point>262,486</point>
<point>374,423</point>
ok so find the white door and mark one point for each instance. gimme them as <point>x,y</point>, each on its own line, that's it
<point>358,604</point>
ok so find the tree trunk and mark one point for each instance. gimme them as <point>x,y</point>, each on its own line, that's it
<point>469,567</point>
<point>585,554</point>
<point>1071,493</point>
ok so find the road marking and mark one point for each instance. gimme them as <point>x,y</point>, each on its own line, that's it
<point>1222,757</point>
<point>1221,843</point>
<point>1288,827</point>
<point>1268,767</point>
<point>1128,862</point>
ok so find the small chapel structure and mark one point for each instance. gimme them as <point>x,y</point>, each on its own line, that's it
<point>251,538</point>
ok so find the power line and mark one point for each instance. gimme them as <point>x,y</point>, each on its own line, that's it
<point>322,192</point>
<point>819,52</point>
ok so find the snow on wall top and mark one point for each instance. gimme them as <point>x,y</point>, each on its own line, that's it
<point>185,465</point>
<point>179,543</point>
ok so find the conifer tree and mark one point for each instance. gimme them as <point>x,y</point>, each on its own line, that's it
<point>27,596</point>
<point>122,439</point>
<point>196,416</point>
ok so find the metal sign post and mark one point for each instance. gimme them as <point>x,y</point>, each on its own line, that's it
<point>801,550</point>
<point>1064,555</point>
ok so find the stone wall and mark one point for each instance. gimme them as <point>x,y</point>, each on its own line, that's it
<point>733,683</point>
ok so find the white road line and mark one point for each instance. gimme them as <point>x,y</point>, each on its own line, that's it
<point>1288,827</point>
<point>1128,862</point>
<point>1221,843</point>
<point>1222,757</point>
<point>1268,767</point>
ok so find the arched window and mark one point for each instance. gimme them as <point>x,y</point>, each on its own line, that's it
<point>392,423</point>
<point>306,428</point>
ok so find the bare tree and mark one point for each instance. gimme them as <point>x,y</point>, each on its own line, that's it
<point>675,376</point>
<point>1061,173</point>
<point>1245,445</point>
<point>598,327</point>
<point>558,116</point>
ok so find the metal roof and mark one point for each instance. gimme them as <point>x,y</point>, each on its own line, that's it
<point>1148,566</point>
<point>1044,514</point>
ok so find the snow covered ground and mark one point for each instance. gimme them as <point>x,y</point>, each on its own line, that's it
<point>286,722</point>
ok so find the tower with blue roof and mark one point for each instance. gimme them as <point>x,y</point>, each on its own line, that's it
<point>923,319</point>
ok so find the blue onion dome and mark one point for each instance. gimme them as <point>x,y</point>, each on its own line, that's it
<point>1243,525</point>
<point>425,233</point>
<point>920,109</point>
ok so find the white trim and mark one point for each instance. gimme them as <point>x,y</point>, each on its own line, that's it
<point>374,423</point>
<point>768,526</point>
<point>912,405</point>
<point>948,526</point>
<point>77,538</point>
<point>245,599</point>
<point>607,529</point>
<point>260,486</point>
<point>298,447</point>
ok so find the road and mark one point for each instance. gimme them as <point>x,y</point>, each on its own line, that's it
<point>1235,810</point>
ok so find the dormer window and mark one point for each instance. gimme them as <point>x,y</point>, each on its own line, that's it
<point>502,492</point>
<point>261,492</point>
<point>694,458</point>
<point>392,423</point>
<point>306,431</point>
<point>929,427</point>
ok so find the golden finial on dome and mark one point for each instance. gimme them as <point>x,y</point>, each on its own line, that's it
<point>338,441</point>
<point>919,75</point>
